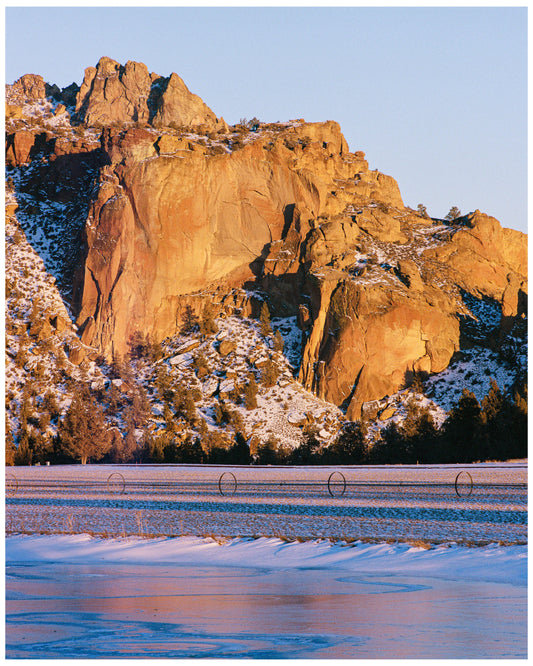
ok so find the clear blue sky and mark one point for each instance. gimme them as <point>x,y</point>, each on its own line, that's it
<point>435,97</point>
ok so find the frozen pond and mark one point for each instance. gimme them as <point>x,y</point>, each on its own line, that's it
<point>77,597</point>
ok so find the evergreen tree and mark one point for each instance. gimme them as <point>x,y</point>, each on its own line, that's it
<point>51,405</point>
<point>422,210</point>
<point>23,454</point>
<point>140,405</point>
<point>239,453</point>
<point>391,447</point>
<point>307,452</point>
<point>116,365</point>
<point>189,321</point>
<point>267,452</point>
<point>464,431</point>
<point>207,323</point>
<point>184,405</point>
<point>264,319</point>
<point>201,365</point>
<point>269,374</point>
<point>279,343</point>
<point>10,446</point>
<point>42,446</point>
<point>83,431</point>
<point>350,447</point>
<point>130,441</point>
<point>453,214</point>
<point>494,413</point>
<point>250,392</point>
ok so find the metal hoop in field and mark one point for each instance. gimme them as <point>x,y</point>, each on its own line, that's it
<point>116,483</point>
<point>12,484</point>
<point>336,479</point>
<point>228,485</point>
<point>468,487</point>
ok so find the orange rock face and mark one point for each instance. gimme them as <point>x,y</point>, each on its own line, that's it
<point>19,147</point>
<point>114,94</point>
<point>188,210</point>
<point>165,225</point>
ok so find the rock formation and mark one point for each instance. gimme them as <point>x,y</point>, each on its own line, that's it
<point>185,209</point>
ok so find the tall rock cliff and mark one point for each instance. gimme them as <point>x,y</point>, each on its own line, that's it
<point>182,209</point>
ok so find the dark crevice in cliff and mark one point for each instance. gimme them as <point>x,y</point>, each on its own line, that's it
<point>54,193</point>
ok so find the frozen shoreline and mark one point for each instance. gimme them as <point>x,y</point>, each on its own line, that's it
<point>493,563</point>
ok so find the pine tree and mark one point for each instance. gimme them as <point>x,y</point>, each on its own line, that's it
<point>422,210</point>
<point>267,452</point>
<point>201,365</point>
<point>207,323</point>
<point>264,318</point>
<point>23,454</point>
<point>269,374</point>
<point>464,431</point>
<point>250,392</point>
<point>10,446</point>
<point>350,447</point>
<point>453,214</point>
<point>391,447</point>
<point>239,453</point>
<point>83,431</point>
<point>184,405</point>
<point>189,321</point>
<point>279,343</point>
<point>130,441</point>
<point>140,405</point>
<point>51,405</point>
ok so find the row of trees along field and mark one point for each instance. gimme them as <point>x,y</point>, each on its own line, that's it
<point>496,429</point>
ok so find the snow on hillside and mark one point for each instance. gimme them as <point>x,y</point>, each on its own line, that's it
<point>40,336</point>
<point>281,410</point>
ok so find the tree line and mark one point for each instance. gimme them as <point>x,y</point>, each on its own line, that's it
<point>495,429</point>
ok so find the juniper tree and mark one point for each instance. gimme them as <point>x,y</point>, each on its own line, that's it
<point>23,454</point>
<point>422,210</point>
<point>350,447</point>
<point>83,432</point>
<point>264,319</point>
<point>453,213</point>
<point>10,446</point>
<point>207,322</point>
<point>239,452</point>
<point>269,374</point>
<point>464,432</point>
<point>250,392</point>
<point>279,343</point>
<point>189,320</point>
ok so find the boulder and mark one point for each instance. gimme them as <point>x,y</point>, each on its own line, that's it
<point>226,347</point>
<point>76,354</point>
<point>19,147</point>
<point>387,413</point>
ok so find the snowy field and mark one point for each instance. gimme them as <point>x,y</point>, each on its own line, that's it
<point>400,503</point>
<point>175,562</point>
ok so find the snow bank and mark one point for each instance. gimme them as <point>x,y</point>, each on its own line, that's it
<point>502,564</point>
